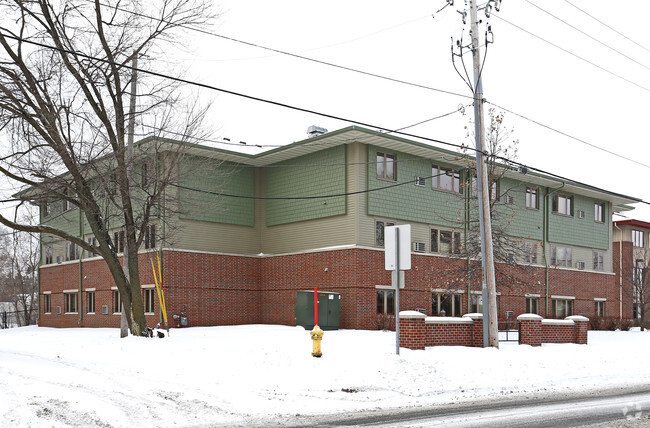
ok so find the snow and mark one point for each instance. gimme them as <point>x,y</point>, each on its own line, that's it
<point>245,375</point>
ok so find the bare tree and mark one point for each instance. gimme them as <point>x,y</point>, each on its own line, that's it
<point>514,256</point>
<point>64,90</point>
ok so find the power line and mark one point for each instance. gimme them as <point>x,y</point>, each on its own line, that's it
<point>281,52</point>
<point>573,54</point>
<point>571,136</point>
<point>588,35</point>
<point>611,28</point>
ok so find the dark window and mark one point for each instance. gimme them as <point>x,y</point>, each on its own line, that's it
<point>385,166</point>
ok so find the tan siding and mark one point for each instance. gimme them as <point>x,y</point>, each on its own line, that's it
<point>216,237</point>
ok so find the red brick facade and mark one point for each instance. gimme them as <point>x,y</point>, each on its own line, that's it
<point>215,289</point>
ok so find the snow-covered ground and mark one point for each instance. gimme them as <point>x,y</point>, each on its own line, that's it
<point>242,375</point>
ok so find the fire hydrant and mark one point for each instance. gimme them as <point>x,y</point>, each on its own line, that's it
<point>316,336</point>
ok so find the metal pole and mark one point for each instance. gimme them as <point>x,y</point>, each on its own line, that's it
<point>397,290</point>
<point>490,327</point>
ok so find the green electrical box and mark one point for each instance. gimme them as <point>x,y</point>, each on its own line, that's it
<point>329,308</point>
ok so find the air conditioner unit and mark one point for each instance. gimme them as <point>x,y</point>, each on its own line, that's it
<point>510,200</point>
<point>420,181</point>
<point>419,247</point>
<point>580,265</point>
<point>581,214</point>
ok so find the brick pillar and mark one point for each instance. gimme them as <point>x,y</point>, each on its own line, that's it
<point>412,330</point>
<point>582,327</point>
<point>530,331</point>
<point>477,329</point>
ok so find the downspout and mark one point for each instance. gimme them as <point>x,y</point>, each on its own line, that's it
<point>620,271</point>
<point>81,255</point>
<point>162,245</point>
<point>546,220</point>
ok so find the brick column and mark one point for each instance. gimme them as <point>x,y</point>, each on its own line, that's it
<point>412,330</point>
<point>582,327</point>
<point>530,331</point>
<point>477,329</point>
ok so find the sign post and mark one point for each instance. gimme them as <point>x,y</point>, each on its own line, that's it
<point>397,257</point>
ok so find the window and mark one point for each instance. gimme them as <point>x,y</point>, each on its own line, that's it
<point>563,204</point>
<point>385,166</point>
<point>492,189</point>
<point>90,302</point>
<point>70,302</point>
<point>445,241</point>
<point>148,296</point>
<point>48,255</point>
<point>599,212</point>
<point>637,238</point>
<point>599,308</point>
<point>386,302</point>
<point>561,256</point>
<point>150,236</point>
<point>477,303</point>
<point>446,304</point>
<point>117,302</point>
<point>118,241</point>
<point>531,198</point>
<point>562,307</point>
<point>380,227</point>
<point>532,305</point>
<point>638,275</point>
<point>71,251</point>
<point>445,179</point>
<point>598,260</point>
<point>530,252</point>
<point>47,303</point>
<point>93,242</point>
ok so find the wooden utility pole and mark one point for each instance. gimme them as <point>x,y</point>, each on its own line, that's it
<point>490,320</point>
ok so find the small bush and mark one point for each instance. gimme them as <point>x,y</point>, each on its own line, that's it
<point>597,323</point>
<point>385,322</point>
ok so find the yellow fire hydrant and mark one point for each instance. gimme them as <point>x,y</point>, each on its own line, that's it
<point>316,337</point>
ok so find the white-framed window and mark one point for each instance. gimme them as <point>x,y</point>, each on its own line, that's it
<point>562,307</point>
<point>92,241</point>
<point>70,302</point>
<point>445,179</point>
<point>117,302</point>
<point>599,212</point>
<point>599,307</point>
<point>48,255</point>
<point>532,304</point>
<point>598,257</point>
<point>90,301</point>
<point>380,228</point>
<point>47,303</point>
<point>386,301</point>
<point>148,300</point>
<point>118,240</point>
<point>563,204</point>
<point>492,189</point>
<point>561,256</point>
<point>445,241</point>
<point>71,251</point>
<point>637,238</point>
<point>530,252</point>
<point>150,236</point>
<point>446,304</point>
<point>477,303</point>
<point>532,198</point>
<point>386,166</point>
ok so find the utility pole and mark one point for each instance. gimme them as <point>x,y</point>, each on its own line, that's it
<point>489,292</point>
<point>124,328</point>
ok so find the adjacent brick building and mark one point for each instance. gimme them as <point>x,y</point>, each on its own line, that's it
<point>631,248</point>
<point>252,230</point>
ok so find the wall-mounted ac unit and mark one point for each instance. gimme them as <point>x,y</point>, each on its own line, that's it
<point>510,200</point>
<point>581,214</point>
<point>419,247</point>
<point>58,310</point>
<point>420,181</point>
<point>580,265</point>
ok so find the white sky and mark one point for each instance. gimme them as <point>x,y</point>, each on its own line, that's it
<point>403,41</point>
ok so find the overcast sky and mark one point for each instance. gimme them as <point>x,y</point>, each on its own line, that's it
<point>591,86</point>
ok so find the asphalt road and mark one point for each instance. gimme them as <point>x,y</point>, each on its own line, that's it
<point>623,408</point>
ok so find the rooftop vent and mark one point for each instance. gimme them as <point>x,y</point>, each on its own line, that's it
<point>315,131</point>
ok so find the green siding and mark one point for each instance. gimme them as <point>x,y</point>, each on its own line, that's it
<point>320,173</point>
<point>522,222</point>
<point>585,232</point>
<point>409,202</point>
<point>219,178</point>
